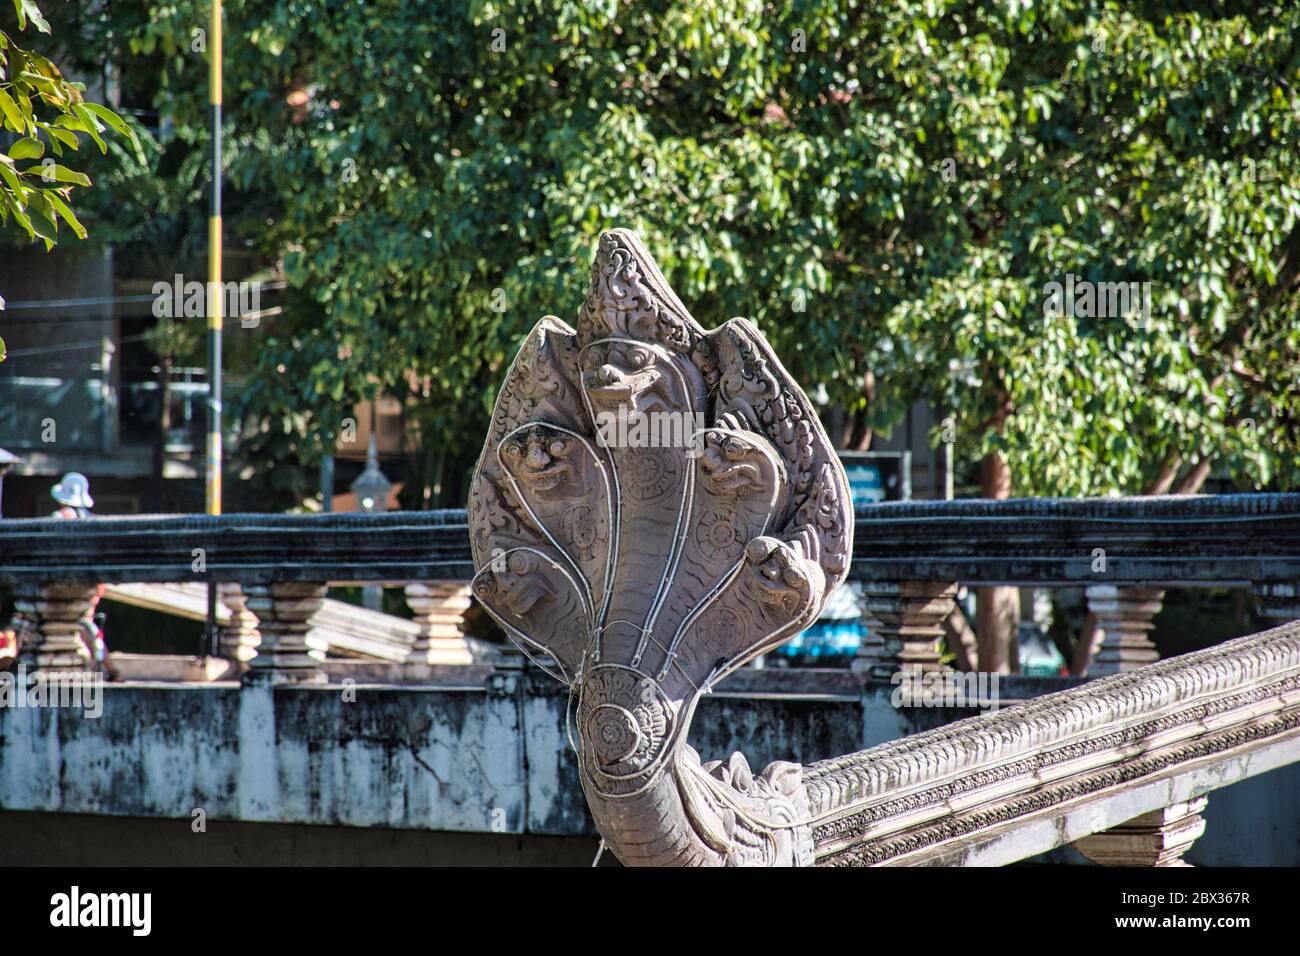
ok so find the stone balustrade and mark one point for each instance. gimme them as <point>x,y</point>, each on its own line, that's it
<point>1122,551</point>
<point>908,558</point>
<point>1119,766</point>
<point>271,572</point>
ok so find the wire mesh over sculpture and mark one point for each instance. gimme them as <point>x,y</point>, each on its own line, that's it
<point>655,506</point>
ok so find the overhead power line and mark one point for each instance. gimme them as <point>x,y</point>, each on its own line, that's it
<point>30,304</point>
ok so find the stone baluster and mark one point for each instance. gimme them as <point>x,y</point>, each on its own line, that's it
<point>438,607</point>
<point>1158,838</point>
<point>238,638</point>
<point>53,642</point>
<point>1279,601</point>
<point>870,659</point>
<point>906,624</point>
<point>1125,617</point>
<point>284,611</point>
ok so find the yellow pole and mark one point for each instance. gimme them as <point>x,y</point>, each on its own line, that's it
<point>216,311</point>
<point>216,300</point>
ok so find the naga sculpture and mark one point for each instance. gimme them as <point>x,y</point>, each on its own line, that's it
<point>655,506</point>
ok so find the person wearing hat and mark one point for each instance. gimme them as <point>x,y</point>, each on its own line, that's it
<point>73,495</point>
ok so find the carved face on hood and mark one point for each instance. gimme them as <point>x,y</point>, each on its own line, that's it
<point>518,584</point>
<point>733,464</point>
<point>623,372</point>
<point>543,460</point>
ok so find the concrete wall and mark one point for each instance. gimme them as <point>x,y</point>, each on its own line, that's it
<point>490,760</point>
<point>75,839</point>
<point>1252,823</point>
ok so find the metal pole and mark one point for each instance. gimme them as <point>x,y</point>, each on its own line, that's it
<point>216,301</point>
<point>947,471</point>
<point>327,482</point>
<point>216,306</point>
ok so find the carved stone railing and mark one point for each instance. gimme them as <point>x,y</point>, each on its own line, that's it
<point>1132,754</point>
<point>338,628</point>
<point>903,552</point>
<point>906,554</point>
<point>1122,551</point>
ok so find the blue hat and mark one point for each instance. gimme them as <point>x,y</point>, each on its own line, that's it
<point>73,491</point>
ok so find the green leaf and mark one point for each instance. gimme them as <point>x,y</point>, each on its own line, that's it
<point>18,214</point>
<point>53,172</point>
<point>65,211</point>
<point>30,8</point>
<point>112,119</point>
<point>27,148</point>
<point>45,222</point>
<point>13,117</point>
<point>79,110</point>
<point>11,177</point>
<point>65,137</point>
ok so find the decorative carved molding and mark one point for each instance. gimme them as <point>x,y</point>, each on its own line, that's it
<point>655,506</point>
<point>1158,838</point>
<point>910,798</point>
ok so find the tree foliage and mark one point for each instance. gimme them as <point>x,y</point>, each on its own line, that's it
<point>885,189</point>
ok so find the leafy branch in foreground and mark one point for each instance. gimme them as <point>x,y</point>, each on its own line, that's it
<point>49,114</point>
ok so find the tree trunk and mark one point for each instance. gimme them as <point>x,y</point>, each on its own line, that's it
<point>961,640</point>
<point>857,436</point>
<point>997,609</point>
<point>1165,479</point>
<point>1195,478</point>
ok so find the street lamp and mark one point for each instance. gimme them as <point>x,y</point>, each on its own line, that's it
<point>372,485</point>
<point>7,461</point>
<point>371,488</point>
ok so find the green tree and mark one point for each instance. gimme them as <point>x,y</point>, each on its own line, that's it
<point>887,190</point>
